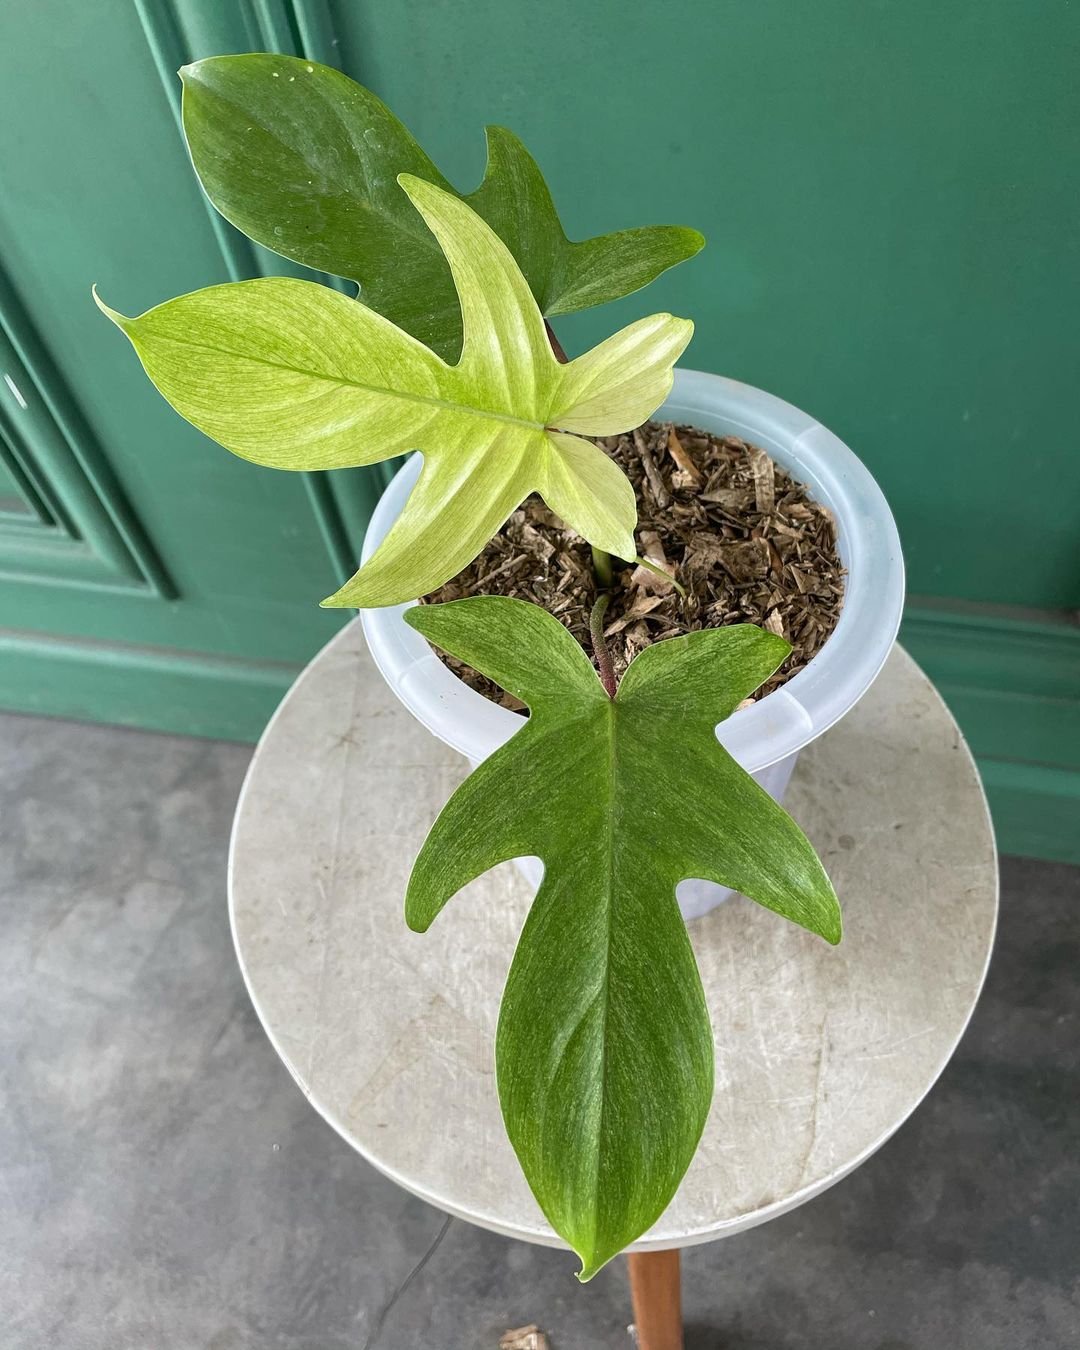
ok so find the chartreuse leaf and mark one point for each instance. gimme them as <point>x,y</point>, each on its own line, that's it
<point>604,1052</point>
<point>306,161</point>
<point>293,375</point>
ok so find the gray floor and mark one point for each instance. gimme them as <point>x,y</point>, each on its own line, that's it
<point>164,1186</point>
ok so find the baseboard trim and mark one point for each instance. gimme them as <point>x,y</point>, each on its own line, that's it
<point>152,688</point>
<point>1036,809</point>
<point>1012,681</point>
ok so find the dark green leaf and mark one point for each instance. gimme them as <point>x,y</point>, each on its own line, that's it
<point>604,1051</point>
<point>564,276</point>
<point>305,161</point>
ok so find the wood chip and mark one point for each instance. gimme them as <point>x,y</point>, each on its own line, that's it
<point>660,491</point>
<point>763,469</point>
<point>743,559</point>
<point>690,473</point>
<point>705,549</point>
<point>524,1338</point>
<point>745,540</point>
<point>643,605</point>
<point>652,547</point>
<point>732,500</point>
<point>637,638</point>
<point>803,580</point>
<point>538,543</point>
<point>540,515</point>
<point>641,578</point>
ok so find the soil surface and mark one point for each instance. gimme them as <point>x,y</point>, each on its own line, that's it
<point>745,541</point>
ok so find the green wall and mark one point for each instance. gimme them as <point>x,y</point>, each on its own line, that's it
<point>887,194</point>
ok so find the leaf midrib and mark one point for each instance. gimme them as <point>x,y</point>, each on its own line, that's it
<point>611,713</point>
<point>342,381</point>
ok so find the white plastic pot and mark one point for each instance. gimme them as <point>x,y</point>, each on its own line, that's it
<point>765,738</point>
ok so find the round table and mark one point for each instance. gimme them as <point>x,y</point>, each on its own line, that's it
<point>821,1053</point>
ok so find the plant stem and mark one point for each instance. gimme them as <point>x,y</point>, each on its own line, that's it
<point>652,567</point>
<point>601,566</point>
<point>556,345</point>
<point>600,647</point>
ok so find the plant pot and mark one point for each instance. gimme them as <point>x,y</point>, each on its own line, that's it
<point>765,738</point>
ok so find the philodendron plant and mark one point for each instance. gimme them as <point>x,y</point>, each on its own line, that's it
<point>604,1049</point>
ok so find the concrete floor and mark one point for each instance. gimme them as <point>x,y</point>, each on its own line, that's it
<point>164,1185</point>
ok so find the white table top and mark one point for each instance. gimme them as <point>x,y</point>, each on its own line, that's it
<point>821,1053</point>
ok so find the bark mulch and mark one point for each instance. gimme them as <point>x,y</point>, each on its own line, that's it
<point>743,538</point>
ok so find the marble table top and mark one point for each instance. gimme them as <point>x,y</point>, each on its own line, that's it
<point>821,1053</point>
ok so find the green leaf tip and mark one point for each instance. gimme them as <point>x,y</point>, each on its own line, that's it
<point>604,1061</point>
<point>591,1266</point>
<point>305,161</point>
<point>119,319</point>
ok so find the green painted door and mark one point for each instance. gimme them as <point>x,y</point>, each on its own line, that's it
<point>891,221</point>
<point>149,578</point>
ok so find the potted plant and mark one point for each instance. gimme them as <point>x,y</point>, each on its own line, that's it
<point>616,781</point>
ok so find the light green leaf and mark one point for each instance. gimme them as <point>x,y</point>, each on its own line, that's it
<point>293,375</point>
<point>604,1051</point>
<point>306,161</point>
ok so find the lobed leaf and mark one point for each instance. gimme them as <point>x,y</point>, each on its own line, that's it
<point>305,161</point>
<point>293,375</point>
<point>604,1050</point>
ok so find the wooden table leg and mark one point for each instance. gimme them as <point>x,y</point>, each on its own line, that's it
<point>656,1296</point>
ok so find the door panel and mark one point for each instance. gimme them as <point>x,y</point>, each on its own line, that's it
<point>891,246</point>
<point>98,188</point>
<point>890,225</point>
